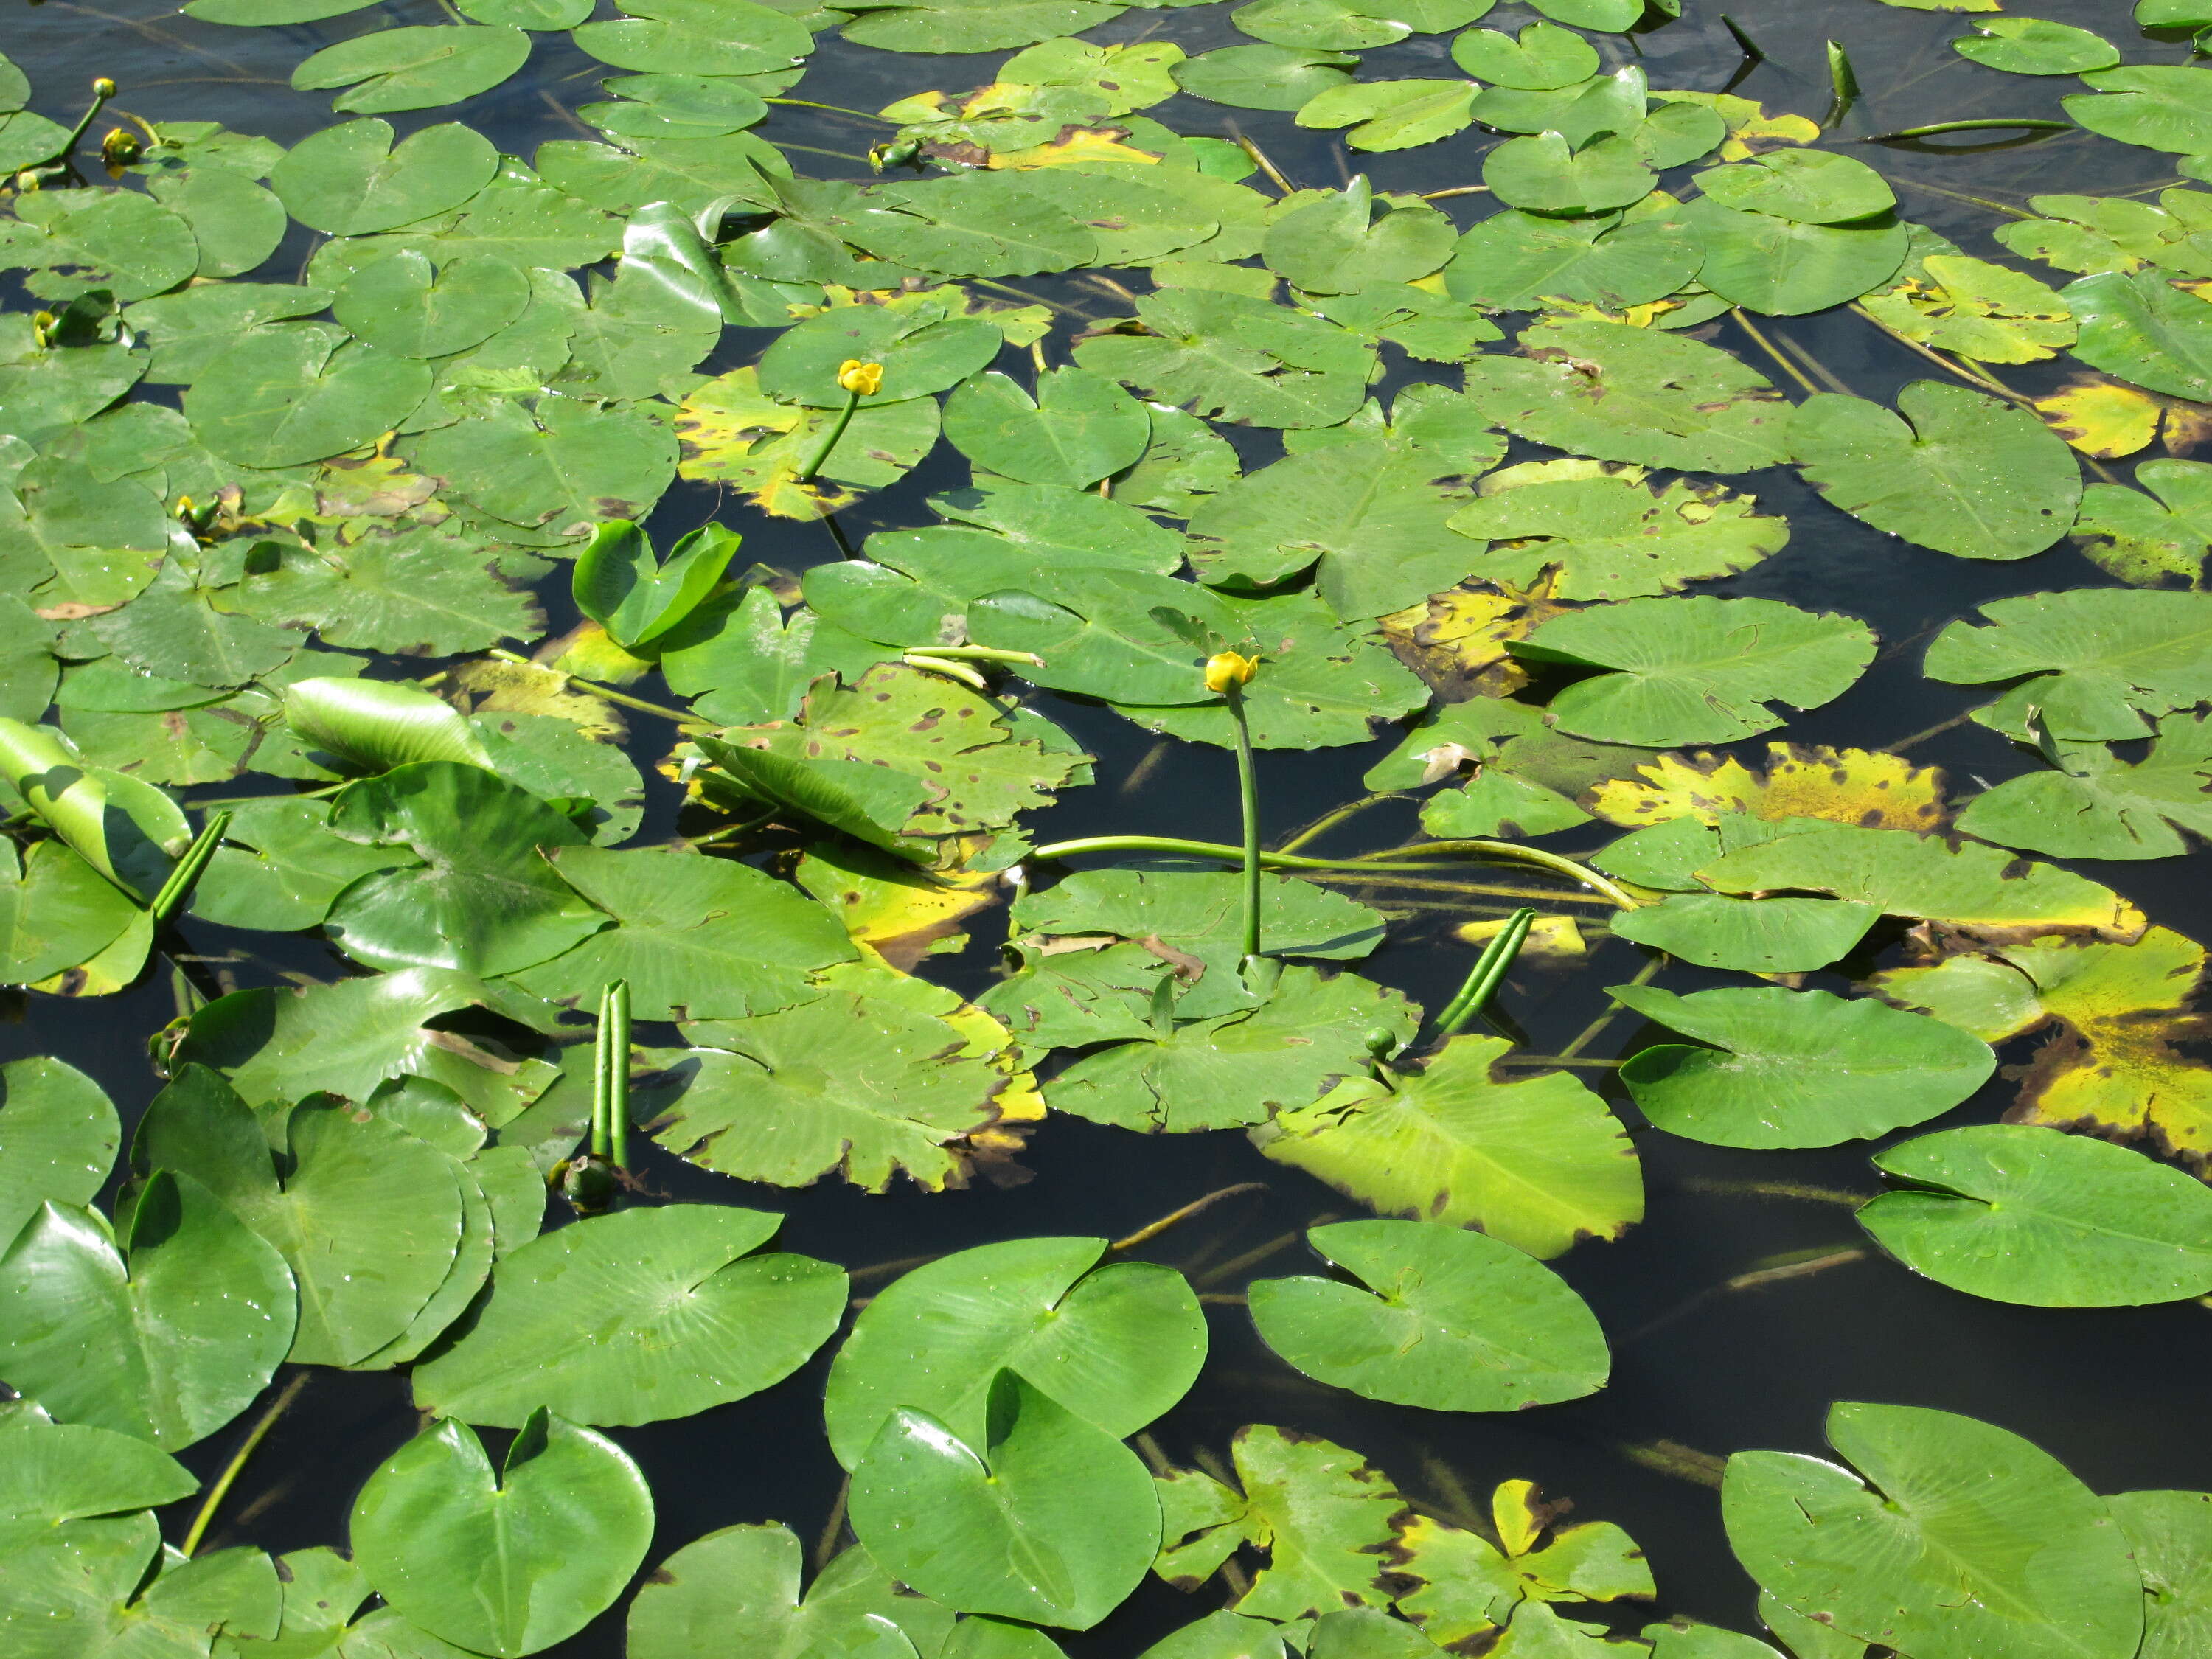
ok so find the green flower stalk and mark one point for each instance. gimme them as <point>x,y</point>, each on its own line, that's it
<point>1489,972</point>
<point>1227,674</point>
<point>858,380</point>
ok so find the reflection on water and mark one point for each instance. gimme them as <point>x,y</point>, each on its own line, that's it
<point>1700,1370</point>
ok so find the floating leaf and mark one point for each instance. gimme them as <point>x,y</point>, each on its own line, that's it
<point>1704,674</point>
<point>512,1562</point>
<point>58,1134</point>
<point>119,241</point>
<point>1977,310</point>
<point>1077,431</point>
<point>1605,536</point>
<point>2168,1532</point>
<point>1796,1068</point>
<point>1236,1069</point>
<point>1263,77</point>
<point>1450,1320</point>
<point>1970,476</point>
<point>2034,46</point>
<point>2032,1216</point>
<point>636,1320</point>
<point>2157,105</point>
<point>1540,173</point>
<point>741,1585</point>
<point>167,1339</point>
<point>2093,804</point>
<point>300,393</point>
<point>365,1268</point>
<point>1978,890</point>
<point>1050,1519</point>
<point>2112,1068</point>
<point>699,938</point>
<point>788,1096</point>
<point>1539,1162</point>
<point>1543,56</point>
<point>1962,1536</point>
<point>1196,913</point>
<point>2142,329</point>
<point>1116,1343</point>
<point>1629,394</point>
<point>420,68</point>
<point>1226,355</point>
<point>2102,661</point>
<point>2152,536</point>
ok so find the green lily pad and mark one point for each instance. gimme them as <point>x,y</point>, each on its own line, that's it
<point>1977,309</point>
<point>1542,57</point>
<point>1632,394</point>
<point>2150,535</point>
<point>511,1562</point>
<point>1949,1505</point>
<point>350,179</point>
<point>119,241</point>
<point>427,593</point>
<point>1807,186</point>
<point>2018,1213</point>
<point>2169,1533</point>
<point>1116,1343</point>
<point>2139,327</point>
<point>1514,260</point>
<point>674,1314</point>
<point>2093,804</point>
<point>2157,105</point>
<point>167,1339</point>
<point>740,1585</point>
<point>697,938</point>
<point>482,900</point>
<point>1540,173</point>
<point>1386,115</point>
<point>401,304</point>
<point>919,355</point>
<point>1048,1519</point>
<point>1077,430</point>
<point>2035,45</point>
<point>236,224</point>
<point>1903,874</point>
<point>1337,244</point>
<point>58,1136</point>
<point>1263,78</point>
<point>1696,670</point>
<point>696,37</point>
<point>2102,661</point>
<point>364,1267</point>
<point>1197,914</point>
<point>1781,267</point>
<point>788,1096</point>
<point>1796,1068</point>
<point>1604,536</point>
<point>1450,1320</point>
<point>565,466</point>
<point>1537,1162</point>
<point>1229,356</point>
<point>301,392</point>
<point>1233,1070</point>
<point>1752,936</point>
<point>418,68</point>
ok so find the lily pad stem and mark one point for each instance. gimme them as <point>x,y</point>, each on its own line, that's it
<point>1329,820</point>
<point>1146,1234</point>
<point>189,868</point>
<point>835,109</point>
<point>231,1470</point>
<point>1500,851</point>
<point>1941,127</point>
<point>606,692</point>
<point>805,474</point>
<point>1591,1032</point>
<point>1743,321</point>
<point>1489,971</point>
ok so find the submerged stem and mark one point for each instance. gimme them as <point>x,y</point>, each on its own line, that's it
<point>1152,1231</point>
<point>231,1470</point>
<point>1596,1028</point>
<point>1743,321</point>
<point>1940,127</point>
<point>1329,820</point>
<point>1501,851</point>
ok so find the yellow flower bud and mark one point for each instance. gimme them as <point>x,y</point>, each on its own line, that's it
<point>42,326</point>
<point>865,380</point>
<point>120,148</point>
<point>103,88</point>
<point>1226,671</point>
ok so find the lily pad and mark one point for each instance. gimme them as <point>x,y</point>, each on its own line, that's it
<point>1116,1343</point>
<point>1630,394</point>
<point>1263,77</point>
<point>1785,267</point>
<point>1049,1519</point>
<point>166,1340</point>
<point>2016,1213</point>
<point>1537,1162</point>
<point>2138,326</point>
<point>1227,356</point>
<point>2093,804</point>
<point>2035,45</point>
<point>741,1585</point>
<point>1077,430</point>
<point>1450,1320</point>
<point>1604,536</point>
<point>1796,1068</point>
<point>1696,670</point>
<point>1948,1504</point>
<point>1807,186</point>
<point>2094,665</point>
<point>364,1267</point>
<point>511,1562</point>
<point>58,1136</point>
<point>301,392</point>
<point>656,1314</point>
<point>418,68</point>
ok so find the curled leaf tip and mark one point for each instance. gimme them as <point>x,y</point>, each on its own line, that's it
<point>1227,671</point>
<point>862,380</point>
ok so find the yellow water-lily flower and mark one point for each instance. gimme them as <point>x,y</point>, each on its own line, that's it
<point>1225,671</point>
<point>862,379</point>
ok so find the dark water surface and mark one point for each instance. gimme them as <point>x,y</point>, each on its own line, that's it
<point>2119,1395</point>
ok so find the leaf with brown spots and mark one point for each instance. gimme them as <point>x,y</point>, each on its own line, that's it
<point>2117,1013</point>
<point>1861,787</point>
